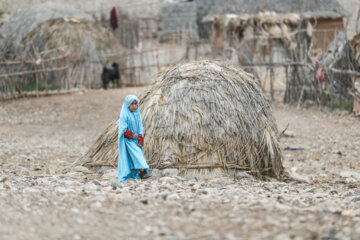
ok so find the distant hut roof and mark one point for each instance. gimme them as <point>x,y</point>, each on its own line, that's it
<point>310,9</point>
<point>28,19</point>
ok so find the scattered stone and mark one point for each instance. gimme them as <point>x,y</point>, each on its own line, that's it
<point>3,179</point>
<point>82,169</point>
<point>169,172</point>
<point>96,183</point>
<point>110,174</point>
<point>96,205</point>
<point>168,179</point>
<point>350,174</point>
<point>240,175</point>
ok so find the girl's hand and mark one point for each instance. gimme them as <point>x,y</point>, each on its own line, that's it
<point>134,137</point>
<point>140,141</point>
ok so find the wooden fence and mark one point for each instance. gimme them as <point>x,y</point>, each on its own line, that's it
<point>36,77</point>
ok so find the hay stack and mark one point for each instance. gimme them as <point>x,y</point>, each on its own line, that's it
<point>205,118</point>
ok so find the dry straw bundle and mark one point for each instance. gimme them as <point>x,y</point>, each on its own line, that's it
<point>204,118</point>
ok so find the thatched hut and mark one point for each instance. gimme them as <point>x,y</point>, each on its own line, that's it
<point>52,26</point>
<point>204,118</point>
<point>326,16</point>
<point>88,44</point>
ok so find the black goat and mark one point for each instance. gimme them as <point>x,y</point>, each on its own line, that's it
<point>111,75</point>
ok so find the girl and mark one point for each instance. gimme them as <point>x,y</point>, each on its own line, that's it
<point>132,163</point>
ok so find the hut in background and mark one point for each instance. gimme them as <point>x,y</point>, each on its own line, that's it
<point>205,118</point>
<point>57,30</point>
<point>326,16</point>
<point>88,44</point>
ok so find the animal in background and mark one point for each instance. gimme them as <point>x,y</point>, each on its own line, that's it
<point>111,75</point>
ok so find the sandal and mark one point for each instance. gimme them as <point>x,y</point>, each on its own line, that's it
<point>144,175</point>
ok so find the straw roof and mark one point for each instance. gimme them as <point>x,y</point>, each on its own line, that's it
<point>28,19</point>
<point>205,118</point>
<point>310,9</point>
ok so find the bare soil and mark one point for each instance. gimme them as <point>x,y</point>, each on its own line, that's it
<point>40,137</point>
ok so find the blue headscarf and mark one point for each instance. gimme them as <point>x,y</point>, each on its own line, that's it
<point>131,157</point>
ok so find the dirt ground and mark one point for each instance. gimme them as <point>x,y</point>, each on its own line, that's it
<point>40,137</point>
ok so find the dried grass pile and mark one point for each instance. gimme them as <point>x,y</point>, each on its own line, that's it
<point>204,118</point>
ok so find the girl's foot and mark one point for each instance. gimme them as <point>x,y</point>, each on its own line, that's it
<point>144,175</point>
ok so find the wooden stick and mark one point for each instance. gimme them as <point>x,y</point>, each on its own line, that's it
<point>37,84</point>
<point>354,73</point>
<point>40,94</point>
<point>33,62</point>
<point>32,72</point>
<point>229,166</point>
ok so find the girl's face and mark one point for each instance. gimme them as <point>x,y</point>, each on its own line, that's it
<point>133,106</point>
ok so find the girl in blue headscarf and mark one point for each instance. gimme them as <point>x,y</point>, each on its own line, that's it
<point>132,163</point>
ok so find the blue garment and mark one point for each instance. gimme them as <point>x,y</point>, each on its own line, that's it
<point>131,157</point>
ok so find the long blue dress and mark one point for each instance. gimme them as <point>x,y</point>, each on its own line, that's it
<point>131,157</point>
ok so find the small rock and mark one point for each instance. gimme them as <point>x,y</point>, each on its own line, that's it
<point>81,169</point>
<point>64,190</point>
<point>3,179</point>
<point>348,213</point>
<point>240,175</point>
<point>115,185</point>
<point>350,174</point>
<point>173,197</point>
<point>96,205</point>
<point>111,174</point>
<point>169,172</point>
<point>96,183</point>
<point>144,201</point>
<point>156,173</point>
<point>168,179</point>
<point>127,201</point>
<point>299,177</point>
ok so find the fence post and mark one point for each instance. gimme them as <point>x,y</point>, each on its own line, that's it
<point>46,76</point>
<point>37,82</point>
<point>67,72</point>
